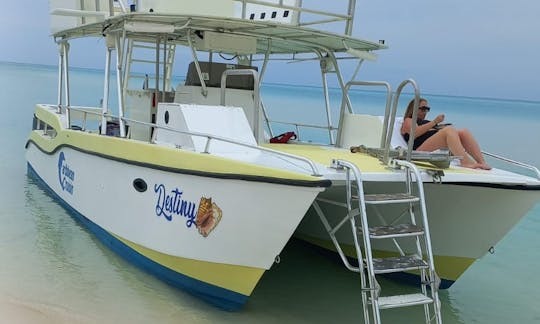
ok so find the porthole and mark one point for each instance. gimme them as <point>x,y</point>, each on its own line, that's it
<point>166,117</point>
<point>140,185</point>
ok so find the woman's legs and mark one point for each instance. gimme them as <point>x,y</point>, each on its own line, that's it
<point>450,138</point>
<point>471,145</point>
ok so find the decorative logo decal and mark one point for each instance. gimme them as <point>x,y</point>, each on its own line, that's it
<point>171,203</point>
<point>208,216</point>
<point>66,176</point>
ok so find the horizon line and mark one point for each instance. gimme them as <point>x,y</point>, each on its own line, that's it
<point>292,85</point>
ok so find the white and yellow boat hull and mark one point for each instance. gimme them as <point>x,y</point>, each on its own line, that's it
<point>208,224</point>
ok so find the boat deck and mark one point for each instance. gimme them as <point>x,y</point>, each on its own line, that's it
<point>371,165</point>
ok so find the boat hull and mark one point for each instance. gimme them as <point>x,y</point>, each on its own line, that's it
<point>150,216</point>
<point>466,220</point>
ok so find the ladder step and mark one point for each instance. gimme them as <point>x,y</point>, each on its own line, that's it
<point>396,198</point>
<point>404,300</point>
<point>390,231</point>
<point>398,264</point>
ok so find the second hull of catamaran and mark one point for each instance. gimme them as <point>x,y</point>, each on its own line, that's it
<point>208,224</point>
<point>466,221</point>
<point>469,211</point>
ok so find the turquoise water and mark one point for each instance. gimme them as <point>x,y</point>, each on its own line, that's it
<point>48,259</point>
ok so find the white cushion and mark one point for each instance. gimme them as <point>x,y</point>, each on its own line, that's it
<point>397,139</point>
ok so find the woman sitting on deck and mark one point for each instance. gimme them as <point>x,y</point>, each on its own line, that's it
<point>428,138</point>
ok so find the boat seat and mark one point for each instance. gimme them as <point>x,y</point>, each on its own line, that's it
<point>359,129</point>
<point>212,72</point>
<point>239,92</point>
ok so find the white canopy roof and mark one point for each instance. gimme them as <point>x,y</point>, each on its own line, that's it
<point>282,38</point>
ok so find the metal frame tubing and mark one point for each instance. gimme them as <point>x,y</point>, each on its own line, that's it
<point>60,76</point>
<point>256,95</point>
<point>119,85</point>
<point>65,63</point>
<point>105,105</point>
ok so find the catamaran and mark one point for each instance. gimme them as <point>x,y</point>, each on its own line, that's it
<point>190,181</point>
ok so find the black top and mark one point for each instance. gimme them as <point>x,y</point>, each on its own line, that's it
<point>422,138</point>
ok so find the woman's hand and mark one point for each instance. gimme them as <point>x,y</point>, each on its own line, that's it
<point>439,119</point>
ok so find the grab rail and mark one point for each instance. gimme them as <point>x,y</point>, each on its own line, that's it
<point>256,95</point>
<point>516,163</point>
<point>209,137</point>
<point>315,171</point>
<point>298,125</point>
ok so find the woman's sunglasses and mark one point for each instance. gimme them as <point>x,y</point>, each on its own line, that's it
<point>424,108</point>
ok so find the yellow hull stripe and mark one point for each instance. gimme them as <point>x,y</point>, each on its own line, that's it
<point>239,279</point>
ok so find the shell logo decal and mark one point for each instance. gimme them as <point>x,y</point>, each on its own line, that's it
<point>208,216</point>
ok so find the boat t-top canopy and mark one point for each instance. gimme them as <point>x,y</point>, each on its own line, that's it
<point>227,35</point>
<point>269,28</point>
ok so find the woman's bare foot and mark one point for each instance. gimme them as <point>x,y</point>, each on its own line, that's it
<point>484,166</point>
<point>475,165</point>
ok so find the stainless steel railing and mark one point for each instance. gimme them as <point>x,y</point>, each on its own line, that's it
<point>515,163</point>
<point>209,137</point>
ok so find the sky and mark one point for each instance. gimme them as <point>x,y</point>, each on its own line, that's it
<point>461,47</point>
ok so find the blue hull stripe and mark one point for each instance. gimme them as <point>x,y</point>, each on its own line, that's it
<point>220,297</point>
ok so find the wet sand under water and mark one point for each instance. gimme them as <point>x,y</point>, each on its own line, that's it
<point>307,286</point>
<point>19,312</point>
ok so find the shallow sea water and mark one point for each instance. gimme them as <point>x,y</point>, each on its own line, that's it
<point>52,262</point>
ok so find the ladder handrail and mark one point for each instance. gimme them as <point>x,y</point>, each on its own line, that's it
<point>393,119</point>
<point>420,187</point>
<point>373,284</point>
<point>358,177</point>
